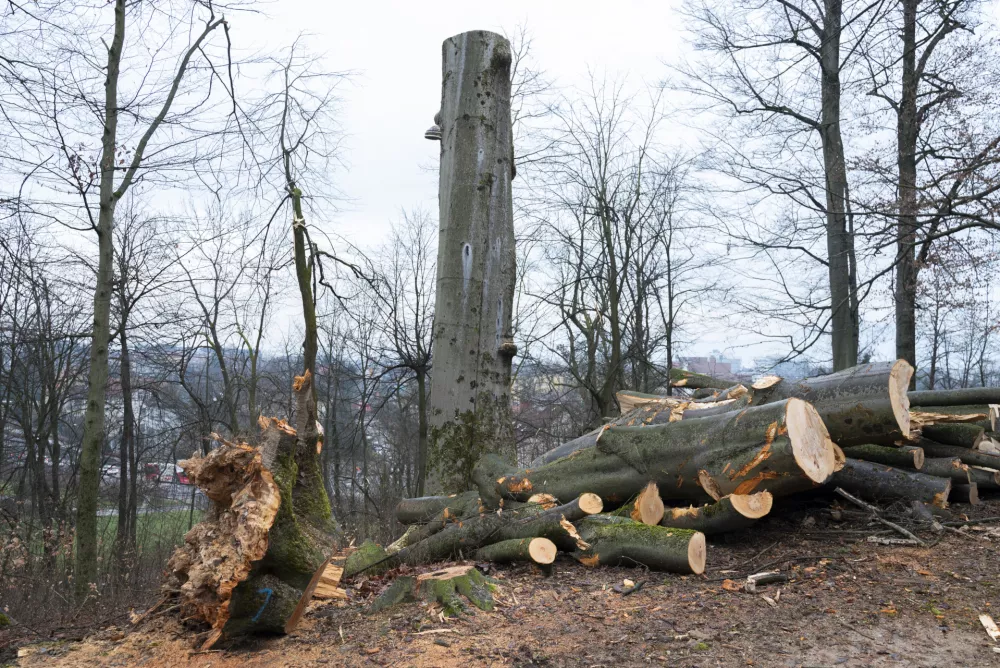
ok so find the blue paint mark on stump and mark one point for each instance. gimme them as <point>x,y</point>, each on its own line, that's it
<point>267,599</point>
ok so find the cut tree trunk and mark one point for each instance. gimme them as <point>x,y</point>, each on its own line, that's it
<point>691,459</point>
<point>876,482</point>
<point>962,435</point>
<point>619,541</point>
<point>425,508</point>
<point>882,379</point>
<point>535,550</point>
<point>905,455</point>
<point>458,539</point>
<point>946,467</point>
<point>971,457</point>
<point>696,381</point>
<point>964,397</point>
<point>730,513</point>
<point>473,344</point>
<point>986,479</point>
<point>967,493</point>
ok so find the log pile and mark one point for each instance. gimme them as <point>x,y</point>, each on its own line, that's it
<point>648,487</point>
<point>644,490</point>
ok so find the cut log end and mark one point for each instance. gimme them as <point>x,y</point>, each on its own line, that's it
<point>591,503</point>
<point>697,553</point>
<point>542,550</point>
<point>648,507</point>
<point>810,440</point>
<point>899,384</point>
<point>766,382</point>
<point>752,506</point>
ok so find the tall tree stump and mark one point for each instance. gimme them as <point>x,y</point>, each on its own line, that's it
<point>473,346</point>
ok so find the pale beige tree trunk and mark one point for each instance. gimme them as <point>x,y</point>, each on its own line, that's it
<point>470,386</point>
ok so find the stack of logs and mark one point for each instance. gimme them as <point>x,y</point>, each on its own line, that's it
<point>647,488</point>
<point>643,490</point>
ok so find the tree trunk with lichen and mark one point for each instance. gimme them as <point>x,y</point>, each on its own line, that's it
<point>473,346</point>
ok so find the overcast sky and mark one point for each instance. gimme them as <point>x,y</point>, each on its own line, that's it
<point>395,50</point>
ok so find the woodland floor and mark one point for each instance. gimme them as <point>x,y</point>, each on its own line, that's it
<point>848,603</point>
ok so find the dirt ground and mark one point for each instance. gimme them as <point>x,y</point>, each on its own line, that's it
<point>847,602</point>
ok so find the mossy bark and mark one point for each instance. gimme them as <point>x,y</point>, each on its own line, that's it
<point>369,559</point>
<point>473,346</point>
<point>619,541</point>
<point>450,588</point>
<point>506,551</point>
<point>303,532</point>
<point>906,456</point>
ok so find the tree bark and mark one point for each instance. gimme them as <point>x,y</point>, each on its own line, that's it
<point>875,482</point>
<point>958,434</point>
<point>951,468</point>
<point>963,397</point>
<point>85,572</point>
<point>473,345</point>
<point>841,261</point>
<point>965,493</point>
<point>619,541</point>
<point>905,455</point>
<point>907,132</point>
<point>971,457</point>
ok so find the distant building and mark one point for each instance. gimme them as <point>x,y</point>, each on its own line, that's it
<point>716,365</point>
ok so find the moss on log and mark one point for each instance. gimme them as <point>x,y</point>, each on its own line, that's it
<point>619,541</point>
<point>876,482</point>
<point>534,550</point>
<point>905,455</point>
<point>959,434</point>
<point>730,513</point>
<point>448,587</point>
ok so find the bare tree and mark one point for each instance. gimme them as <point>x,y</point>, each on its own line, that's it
<point>773,70</point>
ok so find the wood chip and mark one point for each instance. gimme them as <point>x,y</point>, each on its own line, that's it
<point>990,626</point>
